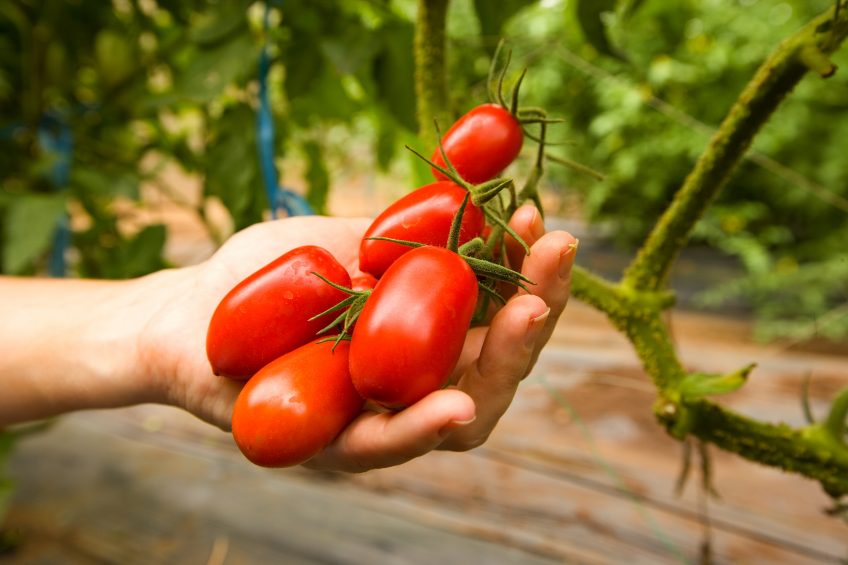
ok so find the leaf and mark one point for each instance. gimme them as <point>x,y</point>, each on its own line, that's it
<point>30,223</point>
<point>115,56</point>
<point>493,15</point>
<point>327,100</point>
<point>700,385</point>
<point>590,17</point>
<point>219,21</point>
<point>387,140</point>
<point>143,253</point>
<point>317,177</point>
<point>212,68</point>
<point>394,73</point>
<point>232,166</point>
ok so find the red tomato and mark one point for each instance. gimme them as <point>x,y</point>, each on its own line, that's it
<point>411,331</point>
<point>424,216</point>
<point>362,282</point>
<point>481,144</point>
<point>296,405</point>
<point>266,315</point>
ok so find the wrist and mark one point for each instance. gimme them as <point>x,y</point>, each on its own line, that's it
<point>66,345</point>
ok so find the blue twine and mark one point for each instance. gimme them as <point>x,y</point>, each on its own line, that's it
<point>55,136</point>
<point>278,197</point>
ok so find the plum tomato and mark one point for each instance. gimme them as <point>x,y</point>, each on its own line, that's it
<point>296,405</point>
<point>423,216</point>
<point>481,144</point>
<point>267,314</point>
<point>410,333</point>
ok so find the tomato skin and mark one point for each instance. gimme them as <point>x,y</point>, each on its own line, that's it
<point>266,314</point>
<point>424,216</point>
<point>410,334</point>
<point>363,282</point>
<point>296,405</point>
<point>481,144</point>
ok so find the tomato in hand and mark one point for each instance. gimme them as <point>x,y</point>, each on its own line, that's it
<point>410,333</point>
<point>423,216</point>
<point>363,281</point>
<point>296,405</point>
<point>481,144</point>
<point>267,314</point>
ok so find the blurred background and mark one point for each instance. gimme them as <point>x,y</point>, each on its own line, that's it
<point>129,142</point>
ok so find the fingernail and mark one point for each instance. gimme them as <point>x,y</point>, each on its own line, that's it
<point>534,327</point>
<point>454,424</point>
<point>566,258</point>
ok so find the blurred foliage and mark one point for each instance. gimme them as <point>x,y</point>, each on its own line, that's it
<point>640,83</point>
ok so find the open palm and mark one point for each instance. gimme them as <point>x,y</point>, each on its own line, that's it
<point>494,360</point>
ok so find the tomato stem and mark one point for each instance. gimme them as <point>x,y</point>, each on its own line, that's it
<point>501,78</point>
<point>513,109</point>
<point>456,225</point>
<point>344,303</point>
<point>495,218</point>
<point>471,247</point>
<point>490,189</point>
<point>492,293</point>
<point>451,174</point>
<point>491,78</point>
<point>578,167</point>
<point>393,240</point>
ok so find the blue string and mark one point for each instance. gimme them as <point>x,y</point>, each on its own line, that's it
<point>55,137</point>
<point>278,197</point>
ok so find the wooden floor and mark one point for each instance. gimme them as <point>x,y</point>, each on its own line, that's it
<point>577,472</point>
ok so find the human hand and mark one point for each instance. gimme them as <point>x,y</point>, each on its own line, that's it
<point>494,360</point>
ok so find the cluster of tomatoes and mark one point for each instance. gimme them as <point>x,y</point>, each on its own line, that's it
<point>318,345</point>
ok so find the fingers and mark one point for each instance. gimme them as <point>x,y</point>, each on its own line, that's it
<point>549,266</point>
<point>381,440</point>
<point>506,354</point>
<point>527,223</point>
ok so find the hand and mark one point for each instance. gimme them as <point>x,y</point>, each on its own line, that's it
<point>494,360</point>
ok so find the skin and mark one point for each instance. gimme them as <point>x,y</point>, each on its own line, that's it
<point>69,345</point>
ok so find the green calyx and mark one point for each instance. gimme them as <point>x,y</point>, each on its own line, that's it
<point>349,310</point>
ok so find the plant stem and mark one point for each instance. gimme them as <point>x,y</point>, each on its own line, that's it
<point>776,445</point>
<point>431,88</point>
<point>776,77</point>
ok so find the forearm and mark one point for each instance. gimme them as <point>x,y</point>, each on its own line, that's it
<point>70,345</point>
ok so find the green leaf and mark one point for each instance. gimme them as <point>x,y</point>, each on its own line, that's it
<point>143,253</point>
<point>212,68</point>
<point>327,100</point>
<point>387,140</point>
<point>232,166</point>
<point>700,385</point>
<point>590,17</point>
<point>219,21</point>
<point>393,73</point>
<point>493,15</point>
<point>317,176</point>
<point>116,57</point>
<point>30,223</point>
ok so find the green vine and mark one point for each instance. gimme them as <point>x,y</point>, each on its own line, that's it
<point>635,304</point>
<point>431,86</point>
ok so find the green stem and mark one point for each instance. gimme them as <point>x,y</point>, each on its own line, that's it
<point>776,77</point>
<point>431,87</point>
<point>776,445</point>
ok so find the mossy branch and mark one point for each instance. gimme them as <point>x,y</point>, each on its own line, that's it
<point>431,86</point>
<point>806,50</point>
<point>635,304</point>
